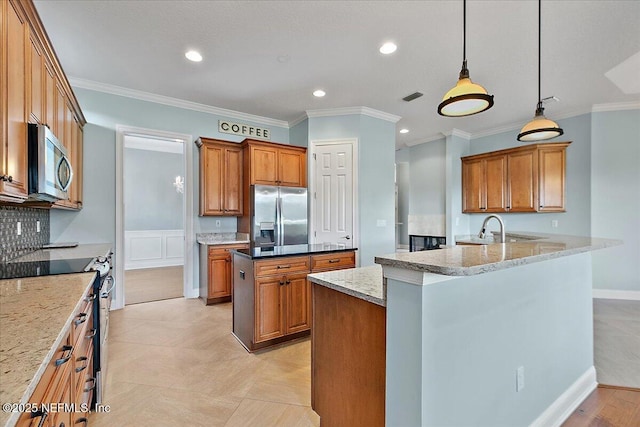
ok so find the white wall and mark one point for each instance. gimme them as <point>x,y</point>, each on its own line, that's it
<point>615,201</point>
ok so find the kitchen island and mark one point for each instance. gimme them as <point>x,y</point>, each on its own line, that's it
<point>504,331</point>
<point>271,293</point>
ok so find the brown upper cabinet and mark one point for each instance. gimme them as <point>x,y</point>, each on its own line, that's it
<point>220,177</point>
<point>33,89</point>
<point>523,179</point>
<point>270,163</point>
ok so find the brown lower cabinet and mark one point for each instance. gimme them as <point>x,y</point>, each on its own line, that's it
<point>272,297</point>
<point>348,361</point>
<point>66,387</point>
<point>215,272</point>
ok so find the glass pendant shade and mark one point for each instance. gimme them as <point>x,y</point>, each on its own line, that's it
<point>464,99</point>
<point>540,128</point>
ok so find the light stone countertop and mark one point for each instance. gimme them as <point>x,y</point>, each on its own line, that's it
<point>221,238</point>
<point>467,260</point>
<point>365,283</point>
<point>35,316</point>
<point>80,251</point>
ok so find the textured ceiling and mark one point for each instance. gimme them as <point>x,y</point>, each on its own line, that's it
<point>266,57</point>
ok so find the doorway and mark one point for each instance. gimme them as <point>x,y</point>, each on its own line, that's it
<point>154,216</point>
<point>334,189</point>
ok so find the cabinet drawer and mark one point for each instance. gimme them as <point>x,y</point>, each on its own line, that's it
<point>282,266</point>
<point>333,261</point>
<point>220,249</point>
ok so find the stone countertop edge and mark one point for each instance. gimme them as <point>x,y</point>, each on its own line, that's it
<point>211,239</point>
<point>467,260</point>
<point>365,283</point>
<point>13,418</point>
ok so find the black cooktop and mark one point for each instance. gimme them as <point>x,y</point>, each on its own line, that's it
<point>16,270</point>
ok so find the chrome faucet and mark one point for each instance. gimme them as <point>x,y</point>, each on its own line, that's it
<point>483,230</point>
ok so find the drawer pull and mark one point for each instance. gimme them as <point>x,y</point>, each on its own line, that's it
<point>283,266</point>
<point>82,359</point>
<point>83,420</point>
<point>42,415</point>
<point>91,380</point>
<point>90,298</point>
<point>333,261</point>
<point>281,282</point>
<point>82,317</point>
<point>63,359</point>
<point>91,334</point>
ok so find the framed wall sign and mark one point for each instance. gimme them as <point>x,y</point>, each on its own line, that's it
<point>249,131</point>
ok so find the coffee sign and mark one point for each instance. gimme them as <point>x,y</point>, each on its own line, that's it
<point>243,130</point>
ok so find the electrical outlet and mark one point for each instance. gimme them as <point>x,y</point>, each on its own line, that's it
<point>218,223</point>
<point>520,378</point>
<point>19,227</point>
<point>554,223</point>
<point>37,226</point>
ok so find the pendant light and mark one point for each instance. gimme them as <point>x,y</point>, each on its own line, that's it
<point>540,128</point>
<point>466,98</point>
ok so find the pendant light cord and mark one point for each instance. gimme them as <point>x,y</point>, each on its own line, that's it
<point>539,51</point>
<point>464,31</point>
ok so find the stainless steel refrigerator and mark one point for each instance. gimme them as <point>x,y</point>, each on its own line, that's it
<point>278,215</point>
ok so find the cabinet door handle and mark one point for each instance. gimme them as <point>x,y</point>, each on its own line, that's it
<point>288,281</point>
<point>82,420</point>
<point>82,359</point>
<point>82,317</point>
<point>283,266</point>
<point>43,416</point>
<point>90,298</point>
<point>541,206</point>
<point>93,384</point>
<point>63,360</point>
<point>91,334</point>
<point>281,282</point>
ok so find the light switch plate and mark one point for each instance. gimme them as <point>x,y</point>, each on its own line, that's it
<point>19,228</point>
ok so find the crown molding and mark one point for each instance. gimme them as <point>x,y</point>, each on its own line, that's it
<point>424,141</point>
<point>459,133</point>
<point>616,106</point>
<point>299,120</point>
<point>173,102</point>
<point>347,111</point>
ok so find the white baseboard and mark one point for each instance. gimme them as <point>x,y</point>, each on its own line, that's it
<point>614,294</point>
<point>563,407</point>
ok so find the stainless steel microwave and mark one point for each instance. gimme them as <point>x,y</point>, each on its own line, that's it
<point>50,171</point>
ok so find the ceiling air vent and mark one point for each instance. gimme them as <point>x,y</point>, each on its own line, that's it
<point>412,96</point>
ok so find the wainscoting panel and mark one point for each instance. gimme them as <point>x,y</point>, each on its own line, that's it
<point>153,248</point>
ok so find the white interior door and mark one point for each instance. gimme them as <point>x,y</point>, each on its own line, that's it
<point>334,193</point>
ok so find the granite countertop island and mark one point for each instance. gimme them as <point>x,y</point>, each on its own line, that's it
<point>35,316</point>
<point>477,258</point>
<point>364,282</point>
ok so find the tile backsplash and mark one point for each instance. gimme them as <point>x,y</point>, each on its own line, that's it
<point>12,245</point>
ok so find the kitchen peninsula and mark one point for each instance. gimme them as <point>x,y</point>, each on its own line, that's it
<point>271,293</point>
<point>480,327</point>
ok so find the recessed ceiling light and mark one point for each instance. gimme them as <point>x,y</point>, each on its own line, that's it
<point>319,93</point>
<point>388,48</point>
<point>194,56</point>
<point>404,130</point>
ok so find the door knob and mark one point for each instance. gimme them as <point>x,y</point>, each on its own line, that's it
<point>346,237</point>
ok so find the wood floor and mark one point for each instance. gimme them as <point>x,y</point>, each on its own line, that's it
<point>607,407</point>
<point>175,363</point>
<point>153,284</point>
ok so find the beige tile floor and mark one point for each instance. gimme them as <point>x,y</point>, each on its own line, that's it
<point>175,363</point>
<point>617,342</point>
<point>153,284</point>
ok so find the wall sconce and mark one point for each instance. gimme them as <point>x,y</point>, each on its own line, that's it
<point>179,184</point>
